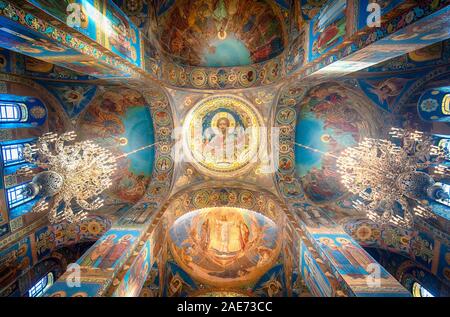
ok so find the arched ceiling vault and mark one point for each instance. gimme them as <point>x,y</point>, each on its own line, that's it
<point>221,33</point>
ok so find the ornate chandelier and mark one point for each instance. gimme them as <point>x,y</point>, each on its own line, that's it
<point>390,178</point>
<point>75,175</point>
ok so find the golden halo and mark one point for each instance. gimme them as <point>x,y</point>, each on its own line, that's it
<point>325,138</point>
<point>209,111</point>
<point>123,141</point>
<point>342,240</point>
<point>222,35</point>
<point>221,115</point>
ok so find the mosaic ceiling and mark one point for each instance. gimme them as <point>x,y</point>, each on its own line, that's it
<point>221,135</point>
<point>224,245</point>
<point>221,33</point>
<point>217,235</point>
<point>119,119</point>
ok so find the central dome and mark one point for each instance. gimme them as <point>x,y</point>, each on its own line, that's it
<point>221,33</point>
<point>222,135</point>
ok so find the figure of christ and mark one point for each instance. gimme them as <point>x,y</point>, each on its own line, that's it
<point>224,232</point>
<point>205,238</point>
<point>224,146</point>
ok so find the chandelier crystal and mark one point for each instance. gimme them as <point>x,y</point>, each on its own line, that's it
<point>390,179</point>
<point>75,174</point>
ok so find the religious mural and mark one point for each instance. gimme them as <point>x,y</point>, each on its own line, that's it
<point>211,234</point>
<point>430,253</point>
<point>317,220</point>
<point>213,195</point>
<point>329,120</point>
<point>408,28</point>
<point>386,91</point>
<point>314,277</point>
<point>272,284</point>
<point>136,10</point>
<point>432,55</point>
<point>55,264</point>
<point>37,246</point>
<point>354,265</point>
<point>412,34</point>
<point>135,277</point>
<point>222,134</point>
<point>23,40</point>
<point>90,289</point>
<point>110,250</point>
<point>120,120</point>
<point>59,9</point>
<point>73,98</point>
<point>39,69</point>
<point>225,245</point>
<point>14,261</point>
<point>296,54</point>
<point>152,285</point>
<point>162,172</point>
<point>178,282</point>
<point>238,32</point>
<point>36,37</point>
<point>386,6</point>
<point>123,36</point>
<point>310,8</point>
<point>327,29</point>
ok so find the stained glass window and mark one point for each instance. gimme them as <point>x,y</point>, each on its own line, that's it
<point>13,112</point>
<point>17,195</point>
<point>41,286</point>
<point>445,144</point>
<point>446,198</point>
<point>12,154</point>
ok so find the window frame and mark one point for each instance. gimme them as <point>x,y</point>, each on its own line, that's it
<point>13,112</point>
<point>17,202</point>
<point>445,187</point>
<point>19,146</point>
<point>39,288</point>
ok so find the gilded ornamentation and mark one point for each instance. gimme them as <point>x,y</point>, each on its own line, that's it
<point>222,135</point>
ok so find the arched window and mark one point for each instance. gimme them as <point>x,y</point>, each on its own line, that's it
<point>18,200</point>
<point>434,105</point>
<point>12,152</point>
<point>419,291</point>
<point>41,286</point>
<point>443,141</point>
<point>445,197</point>
<point>445,144</point>
<point>21,111</point>
<point>17,195</point>
<point>13,112</point>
